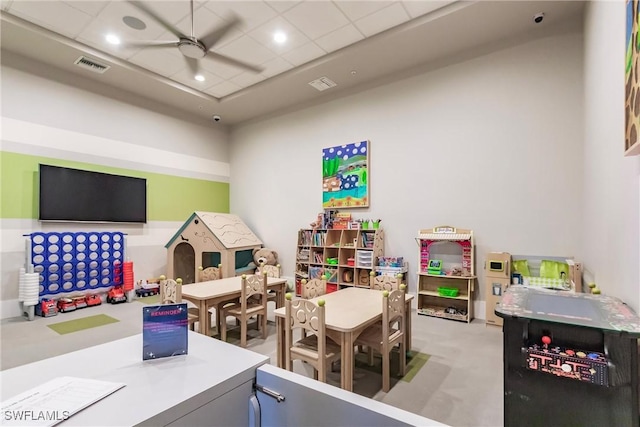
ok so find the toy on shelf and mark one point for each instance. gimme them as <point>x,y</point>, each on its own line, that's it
<point>265,257</point>
<point>391,266</point>
<point>65,305</point>
<point>551,272</point>
<point>146,288</point>
<point>435,267</point>
<point>93,300</point>
<point>497,278</point>
<point>342,221</point>
<point>370,224</point>
<point>116,295</point>
<point>80,302</point>
<point>47,308</point>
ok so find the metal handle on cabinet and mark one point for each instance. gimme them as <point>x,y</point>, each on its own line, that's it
<point>254,411</point>
<point>270,393</point>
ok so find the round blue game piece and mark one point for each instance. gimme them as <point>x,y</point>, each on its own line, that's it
<point>593,355</point>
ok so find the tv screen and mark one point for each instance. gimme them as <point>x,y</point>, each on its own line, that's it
<point>84,196</point>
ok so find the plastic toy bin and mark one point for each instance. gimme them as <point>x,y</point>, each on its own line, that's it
<point>443,291</point>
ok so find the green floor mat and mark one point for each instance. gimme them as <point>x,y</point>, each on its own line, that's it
<point>83,323</point>
<point>153,299</point>
<point>415,362</point>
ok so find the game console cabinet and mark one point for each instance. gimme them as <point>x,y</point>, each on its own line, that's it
<point>569,359</point>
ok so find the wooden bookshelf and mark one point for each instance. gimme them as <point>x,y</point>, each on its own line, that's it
<point>345,256</point>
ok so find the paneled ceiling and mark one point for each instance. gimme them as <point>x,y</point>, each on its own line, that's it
<point>248,74</point>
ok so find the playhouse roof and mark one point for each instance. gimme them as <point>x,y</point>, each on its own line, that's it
<point>229,229</point>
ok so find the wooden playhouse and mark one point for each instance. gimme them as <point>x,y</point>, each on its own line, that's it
<point>207,239</point>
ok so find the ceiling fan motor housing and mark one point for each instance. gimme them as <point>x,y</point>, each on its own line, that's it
<point>191,48</point>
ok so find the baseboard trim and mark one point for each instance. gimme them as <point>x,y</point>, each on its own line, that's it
<point>10,308</point>
<point>480,310</point>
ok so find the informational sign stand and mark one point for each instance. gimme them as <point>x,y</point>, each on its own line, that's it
<point>164,331</point>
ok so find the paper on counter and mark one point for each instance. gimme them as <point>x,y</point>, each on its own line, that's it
<point>54,401</point>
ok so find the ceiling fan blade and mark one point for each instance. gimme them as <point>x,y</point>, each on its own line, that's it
<point>150,44</point>
<point>192,63</point>
<point>234,62</point>
<point>143,8</point>
<point>209,40</point>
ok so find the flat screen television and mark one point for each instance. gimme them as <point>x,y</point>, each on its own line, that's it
<point>83,196</point>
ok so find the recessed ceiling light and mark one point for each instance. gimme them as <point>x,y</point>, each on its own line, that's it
<point>199,77</point>
<point>113,39</point>
<point>279,37</point>
<point>134,23</point>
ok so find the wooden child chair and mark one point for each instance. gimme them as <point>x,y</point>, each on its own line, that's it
<point>247,307</point>
<point>385,282</point>
<point>209,273</point>
<point>205,275</point>
<point>171,293</point>
<point>314,287</point>
<point>314,348</point>
<point>383,337</point>
<point>272,271</point>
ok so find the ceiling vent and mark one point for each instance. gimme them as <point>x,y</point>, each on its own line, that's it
<point>323,83</point>
<point>91,65</point>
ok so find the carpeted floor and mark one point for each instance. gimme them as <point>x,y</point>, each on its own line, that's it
<point>454,375</point>
<point>82,323</point>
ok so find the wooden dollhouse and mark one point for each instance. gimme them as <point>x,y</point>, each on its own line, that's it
<point>209,239</point>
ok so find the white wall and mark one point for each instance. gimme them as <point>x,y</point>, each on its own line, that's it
<point>32,92</point>
<point>493,144</point>
<point>611,232</point>
<point>46,112</point>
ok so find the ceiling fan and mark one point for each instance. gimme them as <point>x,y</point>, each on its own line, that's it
<point>191,47</point>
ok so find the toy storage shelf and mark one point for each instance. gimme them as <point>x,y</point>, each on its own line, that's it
<point>393,271</point>
<point>346,257</point>
<point>446,295</point>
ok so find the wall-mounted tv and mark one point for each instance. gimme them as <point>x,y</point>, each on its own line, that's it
<point>83,196</point>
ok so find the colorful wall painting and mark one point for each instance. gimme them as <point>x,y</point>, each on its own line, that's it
<point>345,176</point>
<point>632,82</point>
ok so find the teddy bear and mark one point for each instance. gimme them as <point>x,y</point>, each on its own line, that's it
<point>264,256</point>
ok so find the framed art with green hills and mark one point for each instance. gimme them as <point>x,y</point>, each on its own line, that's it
<point>345,176</point>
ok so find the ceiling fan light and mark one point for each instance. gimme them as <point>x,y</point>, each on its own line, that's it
<point>191,48</point>
<point>199,77</point>
<point>113,39</point>
<point>279,37</point>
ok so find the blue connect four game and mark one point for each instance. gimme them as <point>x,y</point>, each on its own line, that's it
<point>83,261</point>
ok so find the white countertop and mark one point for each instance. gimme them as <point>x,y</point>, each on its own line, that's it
<point>156,392</point>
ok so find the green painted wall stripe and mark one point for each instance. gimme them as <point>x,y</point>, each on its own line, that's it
<point>169,198</point>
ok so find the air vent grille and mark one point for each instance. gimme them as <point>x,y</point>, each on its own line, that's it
<point>323,83</point>
<point>91,65</point>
